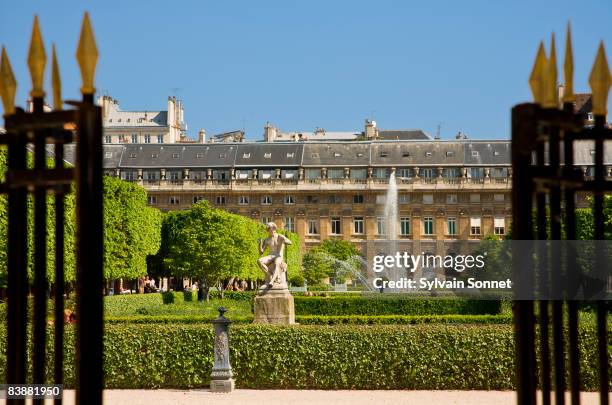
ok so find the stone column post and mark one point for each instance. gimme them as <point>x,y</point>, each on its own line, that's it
<point>221,378</point>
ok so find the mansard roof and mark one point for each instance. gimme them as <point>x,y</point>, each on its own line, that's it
<point>323,154</point>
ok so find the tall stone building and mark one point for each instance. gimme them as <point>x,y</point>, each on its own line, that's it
<point>167,126</point>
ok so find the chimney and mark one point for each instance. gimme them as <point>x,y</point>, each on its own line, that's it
<point>370,129</point>
<point>202,136</point>
<point>269,132</point>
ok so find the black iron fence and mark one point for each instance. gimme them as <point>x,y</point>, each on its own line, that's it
<point>37,128</point>
<point>545,184</point>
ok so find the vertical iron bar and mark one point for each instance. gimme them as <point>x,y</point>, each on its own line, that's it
<point>523,124</point>
<point>17,267</point>
<point>543,281</point>
<point>598,216</point>
<point>40,257</point>
<point>570,261</point>
<point>89,345</point>
<point>59,272</point>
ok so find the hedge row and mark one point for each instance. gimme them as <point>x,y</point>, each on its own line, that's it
<point>451,357</point>
<point>324,320</point>
<point>393,305</point>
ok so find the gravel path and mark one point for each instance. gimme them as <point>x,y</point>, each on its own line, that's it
<point>305,397</point>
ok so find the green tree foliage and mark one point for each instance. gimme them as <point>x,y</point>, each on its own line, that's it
<point>131,229</point>
<point>211,245</point>
<point>333,258</point>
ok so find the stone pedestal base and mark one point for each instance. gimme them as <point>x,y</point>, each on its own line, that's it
<point>222,385</point>
<point>274,307</point>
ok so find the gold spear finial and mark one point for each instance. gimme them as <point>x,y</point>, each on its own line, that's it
<point>600,81</point>
<point>537,80</point>
<point>87,56</point>
<point>37,59</point>
<point>568,69</point>
<point>551,97</point>
<point>56,82</point>
<point>8,85</point>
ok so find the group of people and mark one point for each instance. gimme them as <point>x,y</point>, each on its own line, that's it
<point>149,285</point>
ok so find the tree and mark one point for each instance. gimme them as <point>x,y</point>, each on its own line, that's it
<point>131,229</point>
<point>317,265</point>
<point>212,245</point>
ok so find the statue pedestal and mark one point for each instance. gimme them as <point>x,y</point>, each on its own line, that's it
<point>274,306</point>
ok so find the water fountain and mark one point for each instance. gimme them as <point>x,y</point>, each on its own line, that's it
<point>391,217</point>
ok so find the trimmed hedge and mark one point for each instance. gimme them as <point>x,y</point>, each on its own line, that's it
<point>402,319</point>
<point>323,320</point>
<point>451,357</point>
<point>392,305</point>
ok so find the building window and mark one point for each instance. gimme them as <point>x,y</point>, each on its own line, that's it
<point>152,200</point>
<point>498,197</point>
<point>134,138</point>
<point>451,198</point>
<point>404,198</point>
<point>266,200</point>
<point>147,138</point>
<point>405,173</point>
<point>266,220</point>
<point>290,224</point>
<point>289,199</point>
<point>381,226</point>
<point>220,200</point>
<point>313,227</point>
<point>336,227</point>
<point>451,226</point>
<point>475,226</point>
<point>243,200</point>
<point>358,225</point>
<point>175,175</point>
<point>499,224</point>
<point>427,198</point>
<point>428,173</point>
<point>129,175</point>
<point>174,200</point>
<point>358,199</point>
<point>197,198</point>
<point>405,226</point>
<point>108,139</point>
<point>334,199</point>
<point>474,198</point>
<point>312,174</point>
<point>428,228</point>
<point>381,199</point>
<point>160,139</point>
<point>312,199</point>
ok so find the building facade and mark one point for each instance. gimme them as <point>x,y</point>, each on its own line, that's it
<point>167,126</point>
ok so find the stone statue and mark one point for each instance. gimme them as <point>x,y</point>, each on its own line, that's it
<point>273,302</point>
<point>273,264</point>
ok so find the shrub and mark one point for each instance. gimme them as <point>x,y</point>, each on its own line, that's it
<point>426,357</point>
<point>168,297</point>
<point>322,319</point>
<point>390,305</point>
<point>297,280</point>
<point>188,296</point>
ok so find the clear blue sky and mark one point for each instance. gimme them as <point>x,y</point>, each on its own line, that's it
<point>299,65</point>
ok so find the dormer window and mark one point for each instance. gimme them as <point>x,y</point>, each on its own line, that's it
<point>199,155</point>
<point>428,154</point>
<point>337,154</point>
<point>246,156</point>
<point>592,151</point>
<point>474,153</point>
<point>267,155</point>
<point>222,155</point>
<point>154,155</point>
<point>450,154</point>
<point>383,154</point>
<point>132,155</point>
<point>110,120</point>
<point>175,155</point>
<point>314,155</point>
<point>119,120</point>
<point>128,120</point>
<point>495,153</point>
<point>290,154</point>
<point>406,154</point>
<point>110,155</point>
<point>359,154</point>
